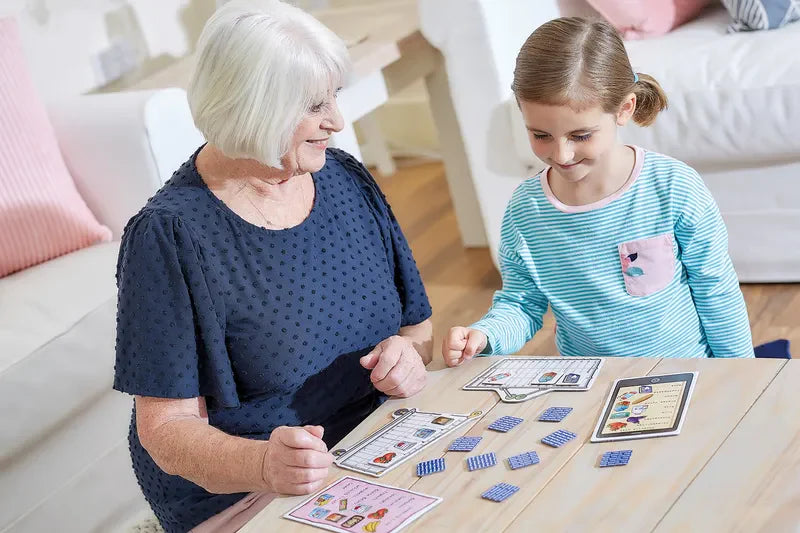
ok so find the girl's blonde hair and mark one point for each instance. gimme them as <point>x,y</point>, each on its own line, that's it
<point>581,63</point>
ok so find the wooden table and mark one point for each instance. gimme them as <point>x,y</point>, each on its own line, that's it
<point>734,467</point>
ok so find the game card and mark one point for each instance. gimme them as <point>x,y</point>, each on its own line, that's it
<point>373,507</point>
<point>650,406</point>
<point>409,433</point>
<point>518,378</point>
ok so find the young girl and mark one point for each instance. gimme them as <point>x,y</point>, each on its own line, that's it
<point>627,246</point>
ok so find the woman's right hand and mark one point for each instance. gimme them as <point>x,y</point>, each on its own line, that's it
<point>462,344</point>
<point>297,460</point>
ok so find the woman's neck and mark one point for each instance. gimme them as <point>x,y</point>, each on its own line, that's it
<point>264,196</point>
<point>603,180</point>
<point>223,173</point>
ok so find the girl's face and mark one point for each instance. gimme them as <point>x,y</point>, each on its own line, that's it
<point>575,143</point>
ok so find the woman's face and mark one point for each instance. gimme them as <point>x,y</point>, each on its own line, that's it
<point>307,150</point>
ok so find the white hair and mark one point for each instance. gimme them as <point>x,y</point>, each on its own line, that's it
<point>261,65</point>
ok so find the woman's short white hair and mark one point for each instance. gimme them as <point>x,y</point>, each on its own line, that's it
<point>261,65</point>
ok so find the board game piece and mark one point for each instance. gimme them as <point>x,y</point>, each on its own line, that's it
<point>426,468</point>
<point>555,414</point>
<point>409,433</point>
<point>478,462</point>
<point>644,407</point>
<point>505,423</point>
<point>516,379</point>
<point>522,460</point>
<point>616,458</point>
<point>499,492</point>
<point>559,438</point>
<point>393,508</point>
<point>464,444</point>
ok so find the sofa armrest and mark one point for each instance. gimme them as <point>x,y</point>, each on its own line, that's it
<point>121,147</point>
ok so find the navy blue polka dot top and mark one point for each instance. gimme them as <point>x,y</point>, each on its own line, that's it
<point>267,325</point>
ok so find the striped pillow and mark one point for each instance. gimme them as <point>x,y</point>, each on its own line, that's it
<point>42,215</point>
<point>761,14</point>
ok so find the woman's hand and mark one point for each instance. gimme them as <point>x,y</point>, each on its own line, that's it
<point>461,344</point>
<point>397,368</point>
<point>296,460</point>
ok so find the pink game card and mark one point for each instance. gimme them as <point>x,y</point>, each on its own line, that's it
<point>375,508</point>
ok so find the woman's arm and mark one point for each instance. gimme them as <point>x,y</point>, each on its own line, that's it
<point>177,435</point>
<point>421,336</point>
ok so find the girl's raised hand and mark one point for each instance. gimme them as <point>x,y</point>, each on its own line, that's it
<point>462,344</point>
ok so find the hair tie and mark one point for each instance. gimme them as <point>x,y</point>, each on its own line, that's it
<point>635,78</point>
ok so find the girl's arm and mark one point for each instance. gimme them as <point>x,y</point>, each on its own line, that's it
<point>703,241</point>
<point>517,309</point>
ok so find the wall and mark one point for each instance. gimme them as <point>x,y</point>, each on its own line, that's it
<point>63,39</point>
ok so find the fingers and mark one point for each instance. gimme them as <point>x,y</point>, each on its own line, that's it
<point>297,460</point>
<point>317,431</point>
<point>414,383</point>
<point>397,375</point>
<point>476,342</point>
<point>305,488</point>
<point>301,476</point>
<point>370,360</point>
<point>453,346</point>
<point>282,481</point>
<point>305,458</point>
<point>293,437</point>
<point>389,356</point>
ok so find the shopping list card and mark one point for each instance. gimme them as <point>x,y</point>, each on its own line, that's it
<point>373,507</point>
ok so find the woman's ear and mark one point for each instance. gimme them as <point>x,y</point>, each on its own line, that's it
<point>626,109</point>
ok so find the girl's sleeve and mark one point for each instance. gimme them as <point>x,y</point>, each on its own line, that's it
<point>703,242</point>
<point>414,299</point>
<point>170,340</point>
<point>518,308</point>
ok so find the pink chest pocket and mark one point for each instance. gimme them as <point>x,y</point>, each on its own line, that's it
<point>648,265</point>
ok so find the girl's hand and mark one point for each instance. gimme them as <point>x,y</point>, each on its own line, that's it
<point>462,344</point>
<point>296,460</point>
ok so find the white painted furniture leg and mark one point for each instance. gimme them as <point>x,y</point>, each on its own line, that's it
<point>376,148</point>
<point>356,101</point>
<point>459,177</point>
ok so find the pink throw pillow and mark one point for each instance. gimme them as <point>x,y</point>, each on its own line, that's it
<point>638,19</point>
<point>42,215</point>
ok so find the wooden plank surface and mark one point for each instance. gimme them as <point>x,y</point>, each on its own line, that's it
<point>753,481</point>
<point>637,496</point>
<point>442,393</point>
<point>461,489</point>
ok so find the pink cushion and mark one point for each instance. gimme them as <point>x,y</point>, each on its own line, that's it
<point>42,215</point>
<point>637,19</point>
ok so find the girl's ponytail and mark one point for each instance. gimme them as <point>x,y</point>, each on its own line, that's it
<point>650,99</point>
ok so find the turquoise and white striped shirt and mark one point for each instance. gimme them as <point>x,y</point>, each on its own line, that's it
<point>645,272</point>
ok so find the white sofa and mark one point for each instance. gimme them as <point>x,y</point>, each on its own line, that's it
<point>734,112</point>
<point>64,463</point>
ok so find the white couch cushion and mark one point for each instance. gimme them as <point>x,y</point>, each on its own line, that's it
<point>61,421</point>
<point>734,98</point>
<point>40,303</point>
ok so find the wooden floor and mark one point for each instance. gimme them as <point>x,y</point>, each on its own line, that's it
<point>460,282</point>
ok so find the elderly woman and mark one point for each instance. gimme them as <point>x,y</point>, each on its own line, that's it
<point>268,301</point>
